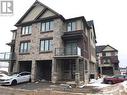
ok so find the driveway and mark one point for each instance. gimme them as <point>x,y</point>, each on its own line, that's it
<point>56,87</point>
<point>31,86</point>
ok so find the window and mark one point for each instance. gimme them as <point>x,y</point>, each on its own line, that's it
<point>46,45</point>
<point>47,26</point>
<point>113,54</point>
<point>24,73</point>
<point>24,47</point>
<point>103,54</point>
<point>26,30</point>
<point>71,48</point>
<point>106,61</point>
<point>71,26</point>
<point>14,36</point>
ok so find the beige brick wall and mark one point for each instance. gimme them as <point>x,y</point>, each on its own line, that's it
<point>35,41</point>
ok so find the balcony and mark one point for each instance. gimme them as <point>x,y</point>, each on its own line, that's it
<point>7,56</point>
<point>73,35</point>
<point>68,51</point>
<point>105,65</point>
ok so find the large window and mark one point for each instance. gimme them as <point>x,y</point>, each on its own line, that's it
<point>103,53</point>
<point>24,47</point>
<point>71,48</point>
<point>46,45</point>
<point>47,26</point>
<point>106,61</point>
<point>26,30</point>
<point>71,26</point>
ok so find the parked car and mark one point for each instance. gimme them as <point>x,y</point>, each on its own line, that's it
<point>15,78</point>
<point>3,75</point>
<point>115,79</point>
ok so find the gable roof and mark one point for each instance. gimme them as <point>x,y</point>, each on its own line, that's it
<point>32,7</point>
<point>102,47</point>
<point>36,18</point>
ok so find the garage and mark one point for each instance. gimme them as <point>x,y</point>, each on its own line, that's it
<point>44,69</point>
<point>25,66</point>
<point>107,71</point>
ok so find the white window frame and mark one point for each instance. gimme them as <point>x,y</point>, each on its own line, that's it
<point>26,30</point>
<point>25,47</point>
<point>46,45</point>
<point>71,26</point>
<point>46,26</point>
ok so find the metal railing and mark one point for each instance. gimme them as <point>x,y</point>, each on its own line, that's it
<point>67,51</point>
<point>6,56</point>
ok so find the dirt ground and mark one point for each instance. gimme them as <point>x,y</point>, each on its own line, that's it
<point>115,89</point>
<point>56,87</point>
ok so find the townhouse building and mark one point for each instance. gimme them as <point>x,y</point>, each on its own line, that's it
<point>107,60</point>
<point>53,48</point>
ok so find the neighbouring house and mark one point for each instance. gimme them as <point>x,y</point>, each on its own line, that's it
<point>107,60</point>
<point>123,71</point>
<point>53,48</point>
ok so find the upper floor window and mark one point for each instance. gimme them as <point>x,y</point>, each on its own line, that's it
<point>108,53</point>
<point>24,47</point>
<point>103,54</point>
<point>106,61</point>
<point>26,30</point>
<point>113,54</point>
<point>71,26</point>
<point>47,26</point>
<point>14,36</point>
<point>71,48</point>
<point>46,45</point>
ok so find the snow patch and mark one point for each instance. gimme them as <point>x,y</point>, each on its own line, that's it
<point>97,83</point>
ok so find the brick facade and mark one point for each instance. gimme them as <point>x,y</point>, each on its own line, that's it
<point>35,60</point>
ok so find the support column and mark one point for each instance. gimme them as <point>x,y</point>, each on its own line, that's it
<point>101,71</point>
<point>33,71</point>
<point>77,74</point>
<point>16,67</point>
<point>113,70</point>
<point>54,71</point>
<point>86,71</point>
<point>95,70</point>
<point>10,67</point>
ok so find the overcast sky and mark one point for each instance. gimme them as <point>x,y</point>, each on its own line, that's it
<point>110,17</point>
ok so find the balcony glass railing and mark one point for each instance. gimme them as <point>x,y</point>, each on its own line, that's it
<point>68,51</point>
<point>7,56</point>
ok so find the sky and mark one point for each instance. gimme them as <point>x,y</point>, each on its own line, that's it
<point>110,17</point>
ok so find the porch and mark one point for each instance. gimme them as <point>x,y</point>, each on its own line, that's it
<point>68,68</point>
